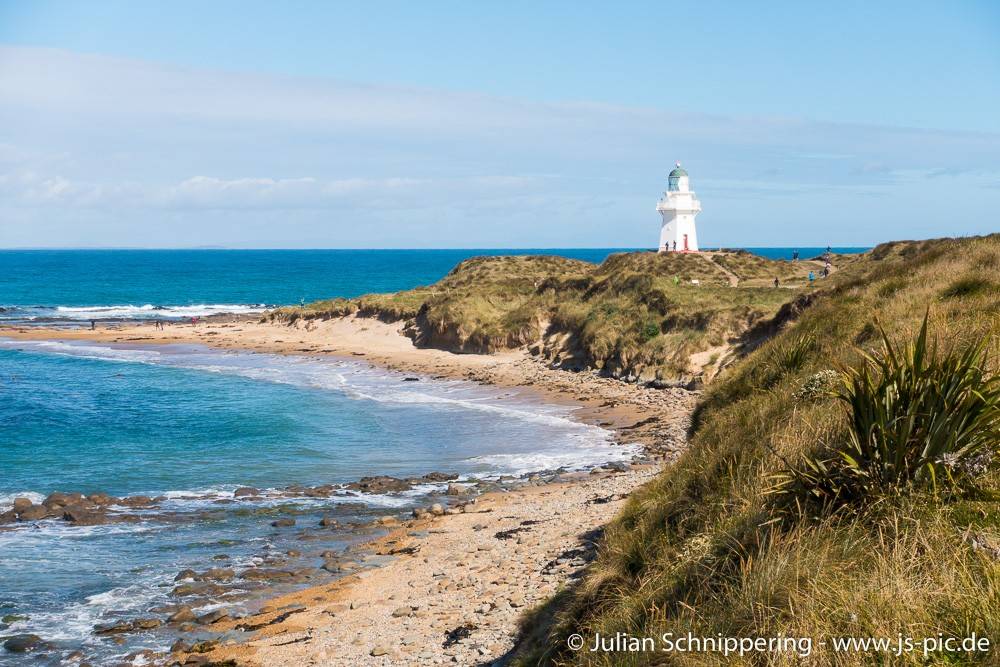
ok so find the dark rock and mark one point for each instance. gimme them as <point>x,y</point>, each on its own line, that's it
<point>216,574</point>
<point>185,574</point>
<point>282,523</point>
<point>197,588</point>
<point>82,516</point>
<point>380,484</point>
<point>137,501</point>
<point>102,499</point>
<point>183,615</point>
<point>10,516</point>
<point>115,628</point>
<point>328,522</point>
<point>23,643</point>
<point>246,491</point>
<point>146,623</point>
<point>21,504</point>
<point>58,499</point>
<point>411,379</point>
<point>439,477</point>
<point>213,617</point>
<point>205,646</point>
<point>180,646</point>
<point>33,513</point>
<point>264,574</point>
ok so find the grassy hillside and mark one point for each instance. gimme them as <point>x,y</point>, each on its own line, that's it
<point>785,518</point>
<point>636,315</point>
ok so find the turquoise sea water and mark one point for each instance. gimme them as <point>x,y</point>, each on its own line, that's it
<point>77,285</point>
<point>191,424</point>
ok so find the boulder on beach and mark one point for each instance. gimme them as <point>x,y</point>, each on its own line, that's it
<point>115,628</point>
<point>216,574</point>
<point>21,504</point>
<point>281,523</point>
<point>213,617</point>
<point>59,499</point>
<point>184,614</point>
<point>137,501</point>
<point>197,588</point>
<point>23,643</point>
<point>380,484</point>
<point>246,491</point>
<point>82,516</point>
<point>33,513</point>
<point>439,477</point>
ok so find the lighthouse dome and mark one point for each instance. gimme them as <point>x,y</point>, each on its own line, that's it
<point>674,182</point>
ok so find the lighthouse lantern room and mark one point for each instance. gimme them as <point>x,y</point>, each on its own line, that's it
<point>678,208</point>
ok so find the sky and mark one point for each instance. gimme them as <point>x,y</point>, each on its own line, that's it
<point>516,124</point>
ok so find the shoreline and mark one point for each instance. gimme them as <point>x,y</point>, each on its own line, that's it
<point>426,590</point>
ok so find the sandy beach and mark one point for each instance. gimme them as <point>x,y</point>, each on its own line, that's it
<point>451,588</point>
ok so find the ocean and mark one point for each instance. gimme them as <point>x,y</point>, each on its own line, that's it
<point>74,286</point>
<point>189,425</point>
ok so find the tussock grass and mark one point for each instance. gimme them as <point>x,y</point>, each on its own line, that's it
<point>636,315</point>
<point>708,548</point>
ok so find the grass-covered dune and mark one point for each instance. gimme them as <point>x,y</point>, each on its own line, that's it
<point>638,315</point>
<point>839,483</point>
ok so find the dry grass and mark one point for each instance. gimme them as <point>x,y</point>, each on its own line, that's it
<point>636,315</point>
<point>706,548</point>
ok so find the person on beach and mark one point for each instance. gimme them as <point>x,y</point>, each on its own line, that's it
<point>812,277</point>
<point>776,283</point>
<point>795,255</point>
<point>93,325</point>
<point>675,246</point>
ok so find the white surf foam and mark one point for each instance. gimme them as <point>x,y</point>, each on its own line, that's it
<point>568,443</point>
<point>149,311</point>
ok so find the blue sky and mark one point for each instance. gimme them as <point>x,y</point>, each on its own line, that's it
<point>513,124</point>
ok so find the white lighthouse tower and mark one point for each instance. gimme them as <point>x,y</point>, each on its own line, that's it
<point>678,208</point>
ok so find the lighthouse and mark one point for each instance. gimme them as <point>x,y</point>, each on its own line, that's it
<point>678,208</point>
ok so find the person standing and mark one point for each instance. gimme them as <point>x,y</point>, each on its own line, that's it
<point>812,277</point>
<point>776,283</point>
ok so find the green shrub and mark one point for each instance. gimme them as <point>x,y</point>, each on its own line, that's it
<point>967,287</point>
<point>650,331</point>
<point>916,417</point>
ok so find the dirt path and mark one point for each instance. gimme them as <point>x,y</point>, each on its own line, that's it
<point>734,280</point>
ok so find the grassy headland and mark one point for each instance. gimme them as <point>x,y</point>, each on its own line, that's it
<point>636,315</point>
<point>781,519</point>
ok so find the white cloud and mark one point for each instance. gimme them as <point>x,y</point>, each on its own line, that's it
<point>115,137</point>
